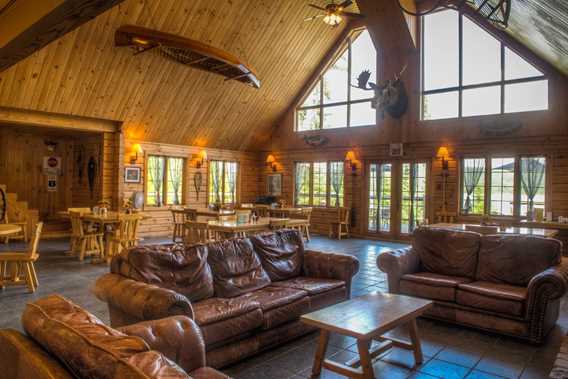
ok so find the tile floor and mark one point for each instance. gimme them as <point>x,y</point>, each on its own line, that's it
<point>450,351</point>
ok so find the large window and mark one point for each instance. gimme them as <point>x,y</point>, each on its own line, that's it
<point>223,182</point>
<point>413,210</point>
<point>380,197</point>
<point>515,186</point>
<point>319,184</point>
<point>334,102</point>
<point>164,181</point>
<point>468,72</point>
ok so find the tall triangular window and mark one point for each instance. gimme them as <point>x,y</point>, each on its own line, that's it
<point>333,101</point>
<point>468,72</point>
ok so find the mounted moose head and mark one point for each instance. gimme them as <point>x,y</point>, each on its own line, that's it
<point>390,96</point>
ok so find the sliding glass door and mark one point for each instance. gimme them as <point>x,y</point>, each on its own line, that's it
<point>380,197</point>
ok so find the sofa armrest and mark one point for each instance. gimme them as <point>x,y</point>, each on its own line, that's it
<point>178,338</point>
<point>544,293</point>
<point>140,300</point>
<point>318,264</point>
<point>396,263</point>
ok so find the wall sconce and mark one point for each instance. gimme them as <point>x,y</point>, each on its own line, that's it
<point>271,162</point>
<point>443,154</point>
<point>136,149</point>
<point>201,159</point>
<point>351,161</point>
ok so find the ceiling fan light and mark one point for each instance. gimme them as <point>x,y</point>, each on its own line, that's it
<point>332,19</point>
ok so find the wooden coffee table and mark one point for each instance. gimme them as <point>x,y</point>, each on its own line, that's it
<point>367,318</point>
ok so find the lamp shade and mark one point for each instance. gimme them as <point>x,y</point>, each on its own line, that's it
<point>137,149</point>
<point>203,155</point>
<point>270,158</point>
<point>443,152</point>
<point>350,156</point>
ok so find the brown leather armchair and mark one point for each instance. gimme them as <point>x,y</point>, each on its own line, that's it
<point>65,341</point>
<point>508,284</point>
<point>246,294</point>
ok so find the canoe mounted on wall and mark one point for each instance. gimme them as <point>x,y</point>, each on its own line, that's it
<point>186,51</point>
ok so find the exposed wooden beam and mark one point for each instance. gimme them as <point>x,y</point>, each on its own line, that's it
<point>28,25</point>
<point>14,116</point>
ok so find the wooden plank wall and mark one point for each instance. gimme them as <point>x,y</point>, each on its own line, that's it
<point>160,221</point>
<point>21,158</point>
<point>555,149</point>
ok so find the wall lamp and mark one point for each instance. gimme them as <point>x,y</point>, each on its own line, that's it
<point>443,154</point>
<point>351,161</point>
<point>271,162</point>
<point>201,159</point>
<point>136,149</point>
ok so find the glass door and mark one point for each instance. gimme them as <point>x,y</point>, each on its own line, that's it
<point>413,196</point>
<point>380,198</point>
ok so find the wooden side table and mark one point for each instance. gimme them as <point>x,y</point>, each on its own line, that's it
<point>367,318</point>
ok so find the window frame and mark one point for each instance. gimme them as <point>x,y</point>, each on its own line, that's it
<point>237,180</point>
<point>164,190</point>
<point>460,88</point>
<point>318,81</point>
<point>378,180</point>
<point>427,190</point>
<point>517,187</point>
<point>311,186</point>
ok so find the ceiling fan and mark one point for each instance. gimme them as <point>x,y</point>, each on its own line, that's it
<point>334,12</point>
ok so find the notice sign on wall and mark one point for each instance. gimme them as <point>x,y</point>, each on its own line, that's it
<point>52,165</point>
<point>52,183</point>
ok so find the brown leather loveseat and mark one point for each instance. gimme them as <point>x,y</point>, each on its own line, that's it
<point>64,341</point>
<point>509,284</point>
<point>246,294</point>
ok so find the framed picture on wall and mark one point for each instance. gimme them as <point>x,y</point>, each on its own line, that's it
<point>132,174</point>
<point>274,185</point>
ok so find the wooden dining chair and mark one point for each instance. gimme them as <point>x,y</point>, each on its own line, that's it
<point>195,232</point>
<point>21,263</point>
<point>342,224</point>
<point>262,210</point>
<point>178,216</point>
<point>85,241</point>
<point>305,215</point>
<point>125,234</point>
<point>190,214</point>
<point>19,219</point>
<point>278,224</point>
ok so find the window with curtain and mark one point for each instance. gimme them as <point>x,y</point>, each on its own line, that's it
<point>515,186</point>
<point>336,180</point>
<point>468,72</point>
<point>334,102</point>
<point>413,191</point>
<point>319,184</point>
<point>164,180</point>
<point>223,177</point>
<point>380,196</point>
<point>473,186</point>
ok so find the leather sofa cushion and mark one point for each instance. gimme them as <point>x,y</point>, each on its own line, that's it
<point>500,298</point>
<point>447,252</point>
<point>182,269</point>
<point>426,291</point>
<point>233,328</point>
<point>311,285</point>
<point>236,267</point>
<point>436,280</point>
<point>514,259</point>
<point>285,313</point>
<point>208,373</point>
<point>273,297</point>
<point>281,253</point>
<point>89,348</point>
<point>218,309</point>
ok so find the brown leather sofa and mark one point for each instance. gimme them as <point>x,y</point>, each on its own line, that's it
<point>65,341</point>
<point>246,294</point>
<point>509,284</point>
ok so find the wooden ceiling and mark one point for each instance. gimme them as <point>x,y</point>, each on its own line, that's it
<point>542,25</point>
<point>83,74</point>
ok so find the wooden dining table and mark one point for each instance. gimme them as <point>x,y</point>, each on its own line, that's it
<point>234,228</point>
<point>207,212</point>
<point>9,229</point>
<point>284,212</point>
